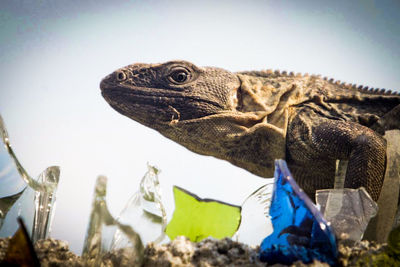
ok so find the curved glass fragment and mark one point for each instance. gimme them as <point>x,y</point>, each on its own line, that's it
<point>97,246</point>
<point>22,195</point>
<point>300,231</point>
<point>347,210</point>
<point>256,224</point>
<point>144,211</point>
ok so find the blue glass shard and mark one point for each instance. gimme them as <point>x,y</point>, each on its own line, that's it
<point>300,231</point>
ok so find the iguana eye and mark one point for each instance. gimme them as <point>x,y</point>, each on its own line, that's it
<point>179,76</point>
<point>120,76</point>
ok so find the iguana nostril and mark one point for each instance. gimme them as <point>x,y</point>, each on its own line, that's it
<point>120,76</point>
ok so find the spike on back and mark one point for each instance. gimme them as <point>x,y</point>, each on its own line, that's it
<point>276,73</point>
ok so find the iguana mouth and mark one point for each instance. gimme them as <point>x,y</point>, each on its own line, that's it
<point>142,95</point>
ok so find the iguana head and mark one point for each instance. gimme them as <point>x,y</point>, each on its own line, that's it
<point>156,94</point>
<point>198,107</point>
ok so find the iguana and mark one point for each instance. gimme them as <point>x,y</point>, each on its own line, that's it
<point>252,118</point>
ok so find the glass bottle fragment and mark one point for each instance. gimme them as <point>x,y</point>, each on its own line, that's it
<point>300,231</point>
<point>144,212</point>
<point>255,222</point>
<point>22,195</point>
<point>348,211</point>
<point>198,218</point>
<point>380,226</point>
<point>97,248</point>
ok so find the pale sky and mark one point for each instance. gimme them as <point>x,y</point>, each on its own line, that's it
<point>53,55</point>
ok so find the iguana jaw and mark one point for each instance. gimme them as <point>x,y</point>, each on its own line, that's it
<point>158,106</point>
<point>135,106</point>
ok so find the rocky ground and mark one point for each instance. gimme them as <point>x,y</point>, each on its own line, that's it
<point>182,252</point>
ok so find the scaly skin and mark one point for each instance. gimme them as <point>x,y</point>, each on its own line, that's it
<point>252,118</point>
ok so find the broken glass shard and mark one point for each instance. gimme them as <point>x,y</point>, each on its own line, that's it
<point>380,226</point>
<point>256,223</point>
<point>100,232</point>
<point>45,203</point>
<point>391,186</point>
<point>347,210</point>
<point>144,211</point>
<point>300,231</point>
<point>340,173</point>
<point>20,251</point>
<point>22,195</point>
<point>198,218</point>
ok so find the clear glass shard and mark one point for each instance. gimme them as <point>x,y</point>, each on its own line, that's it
<point>101,228</point>
<point>144,211</point>
<point>45,203</point>
<point>393,171</point>
<point>11,181</point>
<point>381,225</point>
<point>22,195</point>
<point>340,174</point>
<point>348,211</point>
<point>300,231</point>
<point>256,223</point>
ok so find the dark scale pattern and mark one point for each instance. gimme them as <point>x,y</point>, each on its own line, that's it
<point>318,142</point>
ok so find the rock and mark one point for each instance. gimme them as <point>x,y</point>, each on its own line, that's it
<point>52,252</point>
<point>3,247</point>
<point>207,253</point>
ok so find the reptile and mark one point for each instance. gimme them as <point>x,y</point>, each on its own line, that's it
<point>251,118</point>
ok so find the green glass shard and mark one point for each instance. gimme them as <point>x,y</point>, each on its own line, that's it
<point>198,218</point>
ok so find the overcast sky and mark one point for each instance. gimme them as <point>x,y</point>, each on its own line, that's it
<point>53,55</point>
